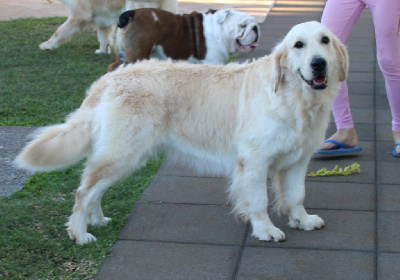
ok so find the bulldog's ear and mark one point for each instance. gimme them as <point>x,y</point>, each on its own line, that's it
<point>279,55</point>
<point>343,58</point>
<point>222,15</point>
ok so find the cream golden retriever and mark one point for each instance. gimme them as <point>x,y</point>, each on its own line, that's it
<point>244,121</point>
<point>103,15</point>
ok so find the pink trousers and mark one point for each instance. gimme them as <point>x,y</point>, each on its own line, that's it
<point>340,16</point>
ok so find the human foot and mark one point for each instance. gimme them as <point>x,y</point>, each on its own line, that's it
<point>347,137</point>
<point>396,137</point>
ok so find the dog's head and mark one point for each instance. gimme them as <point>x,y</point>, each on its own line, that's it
<point>242,29</point>
<point>312,55</point>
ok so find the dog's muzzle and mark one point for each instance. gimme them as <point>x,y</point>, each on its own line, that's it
<point>247,42</point>
<point>319,81</point>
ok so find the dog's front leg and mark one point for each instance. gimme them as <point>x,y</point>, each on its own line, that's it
<point>64,32</point>
<point>248,192</point>
<point>292,183</point>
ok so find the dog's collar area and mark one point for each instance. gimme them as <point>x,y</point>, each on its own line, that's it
<point>318,83</point>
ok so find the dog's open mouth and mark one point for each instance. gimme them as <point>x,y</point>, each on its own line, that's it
<point>242,44</point>
<point>318,82</point>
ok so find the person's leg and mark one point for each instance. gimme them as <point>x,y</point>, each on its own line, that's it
<point>386,15</point>
<point>340,16</point>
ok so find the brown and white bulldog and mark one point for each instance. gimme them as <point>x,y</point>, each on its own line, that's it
<point>103,15</point>
<point>205,38</point>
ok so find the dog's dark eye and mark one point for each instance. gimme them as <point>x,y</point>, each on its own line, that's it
<point>325,40</point>
<point>298,45</point>
<point>243,25</point>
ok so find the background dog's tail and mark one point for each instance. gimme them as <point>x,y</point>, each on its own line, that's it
<point>125,17</point>
<point>58,146</point>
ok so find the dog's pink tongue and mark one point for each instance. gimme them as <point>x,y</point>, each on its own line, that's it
<point>319,80</point>
<point>249,47</point>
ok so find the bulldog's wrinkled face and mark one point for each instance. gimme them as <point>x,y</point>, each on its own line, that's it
<point>242,28</point>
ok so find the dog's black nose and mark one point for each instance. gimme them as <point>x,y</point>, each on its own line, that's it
<point>318,64</point>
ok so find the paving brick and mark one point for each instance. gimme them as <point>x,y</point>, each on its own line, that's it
<point>388,266</point>
<point>381,102</point>
<point>388,172</point>
<point>384,132</point>
<point>389,232</point>
<point>361,77</point>
<point>388,197</point>
<point>363,115</point>
<point>383,116</point>
<point>328,195</point>
<point>361,101</point>
<point>156,260</point>
<point>208,224</point>
<point>384,151</point>
<point>380,89</point>
<point>187,190</point>
<point>360,88</point>
<point>273,263</point>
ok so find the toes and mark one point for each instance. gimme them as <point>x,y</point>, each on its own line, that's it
<point>45,46</point>
<point>312,222</point>
<point>102,222</point>
<point>272,234</point>
<point>85,239</point>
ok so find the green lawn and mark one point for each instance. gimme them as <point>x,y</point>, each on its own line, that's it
<point>40,88</point>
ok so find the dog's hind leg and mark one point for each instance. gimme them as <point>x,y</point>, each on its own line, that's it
<point>291,182</point>
<point>248,192</point>
<point>64,32</point>
<point>109,163</point>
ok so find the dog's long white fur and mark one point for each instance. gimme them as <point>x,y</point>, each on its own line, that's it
<point>243,121</point>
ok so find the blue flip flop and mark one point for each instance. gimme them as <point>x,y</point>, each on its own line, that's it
<point>394,150</point>
<point>339,149</point>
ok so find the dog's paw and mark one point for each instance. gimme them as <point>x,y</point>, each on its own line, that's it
<point>80,237</point>
<point>85,239</point>
<point>269,234</point>
<point>311,222</point>
<point>100,51</point>
<point>101,223</point>
<point>46,46</point>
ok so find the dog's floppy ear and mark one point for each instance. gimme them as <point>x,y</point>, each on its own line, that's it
<point>222,15</point>
<point>343,58</point>
<point>279,55</point>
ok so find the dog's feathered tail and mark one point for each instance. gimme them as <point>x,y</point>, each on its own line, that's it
<point>58,146</point>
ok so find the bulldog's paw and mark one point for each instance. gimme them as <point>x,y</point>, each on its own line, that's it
<point>311,222</point>
<point>269,234</point>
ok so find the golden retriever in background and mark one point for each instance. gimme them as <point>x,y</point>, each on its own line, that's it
<point>243,121</point>
<point>103,15</point>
